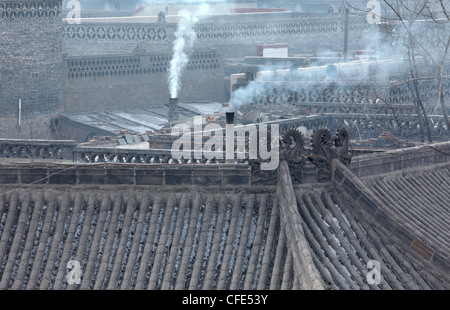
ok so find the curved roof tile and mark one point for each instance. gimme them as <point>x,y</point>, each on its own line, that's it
<point>142,239</point>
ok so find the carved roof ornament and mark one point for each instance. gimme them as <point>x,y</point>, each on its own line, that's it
<point>322,153</point>
<point>292,150</point>
<point>292,144</point>
<point>324,148</point>
<point>342,144</point>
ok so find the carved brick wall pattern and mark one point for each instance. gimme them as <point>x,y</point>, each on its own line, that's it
<point>158,32</point>
<point>233,38</point>
<point>295,94</point>
<point>131,65</point>
<point>114,32</point>
<point>30,9</point>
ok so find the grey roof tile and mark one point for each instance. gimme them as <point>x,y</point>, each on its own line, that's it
<point>421,200</point>
<point>130,239</point>
<point>161,238</point>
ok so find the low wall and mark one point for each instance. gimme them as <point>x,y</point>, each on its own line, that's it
<point>125,174</point>
<point>363,126</point>
<point>37,149</point>
<point>94,155</point>
<point>400,159</point>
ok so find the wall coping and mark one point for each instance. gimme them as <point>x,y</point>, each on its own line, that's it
<point>400,159</point>
<point>121,174</point>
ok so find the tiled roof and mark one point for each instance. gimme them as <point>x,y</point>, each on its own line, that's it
<point>421,199</point>
<point>344,243</point>
<point>142,239</point>
<point>343,240</point>
<point>304,236</point>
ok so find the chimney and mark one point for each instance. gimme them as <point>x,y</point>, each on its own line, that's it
<point>173,109</point>
<point>229,136</point>
<point>229,118</point>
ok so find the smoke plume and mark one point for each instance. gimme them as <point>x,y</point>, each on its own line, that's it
<point>387,62</point>
<point>185,37</point>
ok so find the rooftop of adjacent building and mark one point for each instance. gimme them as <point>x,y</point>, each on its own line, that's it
<point>389,208</point>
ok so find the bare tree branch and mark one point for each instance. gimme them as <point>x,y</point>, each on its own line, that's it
<point>444,10</point>
<point>441,86</point>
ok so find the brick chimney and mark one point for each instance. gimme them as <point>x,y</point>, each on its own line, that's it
<point>173,109</point>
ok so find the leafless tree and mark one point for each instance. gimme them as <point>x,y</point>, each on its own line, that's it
<point>420,31</point>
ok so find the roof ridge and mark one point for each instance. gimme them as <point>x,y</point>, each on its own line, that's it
<point>303,261</point>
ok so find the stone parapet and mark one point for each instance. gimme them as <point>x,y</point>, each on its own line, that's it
<point>401,159</point>
<point>124,174</point>
<point>37,149</point>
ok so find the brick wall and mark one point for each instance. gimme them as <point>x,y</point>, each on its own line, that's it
<point>138,80</point>
<point>114,38</point>
<point>235,35</point>
<point>31,60</point>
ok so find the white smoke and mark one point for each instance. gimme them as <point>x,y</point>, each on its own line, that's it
<point>270,76</point>
<point>185,37</point>
<point>380,69</point>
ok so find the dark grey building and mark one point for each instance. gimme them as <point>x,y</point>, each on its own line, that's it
<point>31,58</point>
